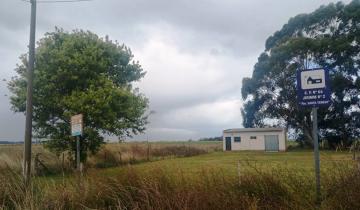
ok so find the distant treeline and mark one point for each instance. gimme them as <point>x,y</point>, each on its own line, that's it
<point>16,142</point>
<point>11,142</point>
<point>219,138</point>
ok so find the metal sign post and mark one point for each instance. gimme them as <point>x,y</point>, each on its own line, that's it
<point>77,131</point>
<point>78,153</point>
<point>313,91</point>
<point>316,153</point>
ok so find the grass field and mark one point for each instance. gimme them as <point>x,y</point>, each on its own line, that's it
<point>185,175</point>
<point>231,162</point>
<point>117,152</point>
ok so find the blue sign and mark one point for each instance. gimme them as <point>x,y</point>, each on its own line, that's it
<point>313,87</point>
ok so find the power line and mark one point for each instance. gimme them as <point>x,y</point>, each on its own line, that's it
<point>57,1</point>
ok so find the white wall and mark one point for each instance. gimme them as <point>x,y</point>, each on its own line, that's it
<point>254,144</point>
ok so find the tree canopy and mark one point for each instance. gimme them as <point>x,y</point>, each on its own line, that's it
<point>78,72</point>
<point>328,37</point>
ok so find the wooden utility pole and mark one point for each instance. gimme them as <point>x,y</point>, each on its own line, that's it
<point>29,96</point>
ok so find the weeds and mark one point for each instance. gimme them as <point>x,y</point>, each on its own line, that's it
<point>343,192</point>
<point>161,189</point>
<point>275,186</point>
<point>140,153</point>
<point>177,151</point>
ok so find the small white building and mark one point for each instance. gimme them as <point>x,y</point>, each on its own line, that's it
<point>260,139</point>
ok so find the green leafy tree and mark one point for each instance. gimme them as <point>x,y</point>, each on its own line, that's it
<point>327,37</point>
<point>79,72</point>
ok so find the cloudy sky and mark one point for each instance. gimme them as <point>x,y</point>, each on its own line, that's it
<point>195,52</point>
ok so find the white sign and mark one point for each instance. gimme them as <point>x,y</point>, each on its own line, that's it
<point>77,125</point>
<point>313,79</point>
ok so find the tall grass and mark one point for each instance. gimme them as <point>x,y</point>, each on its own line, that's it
<point>140,153</point>
<point>161,189</point>
<point>110,155</point>
<point>342,191</point>
<point>253,187</point>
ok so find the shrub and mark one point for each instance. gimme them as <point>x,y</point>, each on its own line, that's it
<point>178,151</point>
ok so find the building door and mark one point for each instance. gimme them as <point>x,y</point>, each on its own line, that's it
<point>228,143</point>
<point>271,143</point>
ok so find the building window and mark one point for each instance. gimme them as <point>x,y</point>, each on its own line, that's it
<point>252,137</point>
<point>237,139</point>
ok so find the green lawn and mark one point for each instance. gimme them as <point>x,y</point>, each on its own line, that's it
<point>230,162</point>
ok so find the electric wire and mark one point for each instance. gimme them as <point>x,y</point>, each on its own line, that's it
<point>57,1</point>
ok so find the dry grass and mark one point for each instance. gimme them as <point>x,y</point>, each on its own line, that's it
<point>130,153</point>
<point>110,155</point>
<point>158,189</point>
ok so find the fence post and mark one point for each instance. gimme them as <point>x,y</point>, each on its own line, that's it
<point>239,172</point>
<point>63,162</point>
<point>148,151</point>
<point>36,164</point>
<point>120,156</point>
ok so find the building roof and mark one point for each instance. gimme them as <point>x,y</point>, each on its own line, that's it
<point>238,130</point>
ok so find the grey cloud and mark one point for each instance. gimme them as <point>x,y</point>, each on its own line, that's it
<point>238,26</point>
<point>229,34</point>
<point>11,124</point>
<point>13,15</point>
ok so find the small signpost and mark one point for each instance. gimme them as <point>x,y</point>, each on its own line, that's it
<point>77,125</point>
<point>313,90</point>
